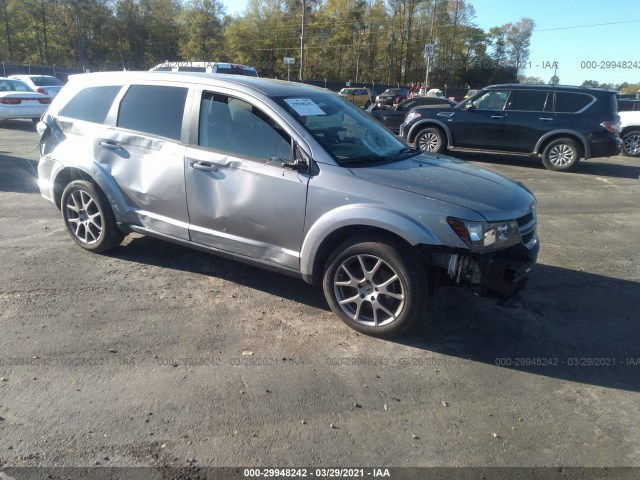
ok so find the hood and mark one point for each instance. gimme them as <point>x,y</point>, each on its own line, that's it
<point>454,181</point>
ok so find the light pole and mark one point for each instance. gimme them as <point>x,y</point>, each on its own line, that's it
<point>304,9</point>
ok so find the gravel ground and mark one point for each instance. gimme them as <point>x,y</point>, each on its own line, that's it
<point>155,354</point>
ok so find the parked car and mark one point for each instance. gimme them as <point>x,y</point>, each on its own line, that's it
<point>559,123</point>
<point>45,84</point>
<point>391,96</point>
<point>206,67</point>
<point>392,117</point>
<point>285,176</point>
<point>630,132</point>
<point>357,96</point>
<point>19,101</point>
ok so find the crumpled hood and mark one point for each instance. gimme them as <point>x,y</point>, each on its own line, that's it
<point>453,181</point>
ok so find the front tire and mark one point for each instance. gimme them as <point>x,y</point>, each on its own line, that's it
<point>561,155</point>
<point>375,286</point>
<point>631,147</point>
<point>88,217</point>
<point>430,140</point>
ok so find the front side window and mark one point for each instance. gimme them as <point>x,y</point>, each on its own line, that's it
<point>153,109</point>
<point>91,104</point>
<point>492,100</point>
<point>232,125</point>
<point>351,136</point>
<point>528,100</point>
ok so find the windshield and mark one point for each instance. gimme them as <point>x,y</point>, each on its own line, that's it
<point>350,135</point>
<point>391,91</point>
<point>46,81</point>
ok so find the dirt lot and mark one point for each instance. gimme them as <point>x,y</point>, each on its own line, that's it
<point>141,357</point>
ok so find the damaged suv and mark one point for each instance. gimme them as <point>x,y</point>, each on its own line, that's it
<point>285,176</point>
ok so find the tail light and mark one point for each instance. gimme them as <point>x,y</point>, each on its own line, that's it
<point>10,101</point>
<point>613,127</point>
<point>45,101</point>
<point>41,90</point>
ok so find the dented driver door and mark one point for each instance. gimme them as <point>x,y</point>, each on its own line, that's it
<point>241,195</point>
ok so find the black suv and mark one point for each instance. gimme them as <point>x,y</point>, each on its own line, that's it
<point>562,124</point>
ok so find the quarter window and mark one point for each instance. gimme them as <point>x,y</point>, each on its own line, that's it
<point>571,102</point>
<point>153,109</point>
<point>91,104</point>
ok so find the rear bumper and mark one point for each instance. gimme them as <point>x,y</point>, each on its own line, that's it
<point>605,146</point>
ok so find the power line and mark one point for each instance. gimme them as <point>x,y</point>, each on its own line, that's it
<point>586,26</point>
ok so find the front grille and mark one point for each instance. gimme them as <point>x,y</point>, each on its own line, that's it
<point>526,238</point>
<point>523,220</point>
<point>527,226</point>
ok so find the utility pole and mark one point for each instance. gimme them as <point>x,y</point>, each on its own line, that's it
<point>304,9</point>
<point>433,21</point>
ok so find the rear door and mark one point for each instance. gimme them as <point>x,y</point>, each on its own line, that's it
<point>144,154</point>
<point>528,116</point>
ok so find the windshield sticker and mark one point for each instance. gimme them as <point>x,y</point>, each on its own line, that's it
<point>304,106</point>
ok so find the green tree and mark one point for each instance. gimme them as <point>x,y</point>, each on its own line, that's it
<point>529,80</point>
<point>202,30</point>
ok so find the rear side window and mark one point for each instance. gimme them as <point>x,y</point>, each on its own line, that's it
<point>153,109</point>
<point>527,100</point>
<point>571,102</point>
<point>91,104</point>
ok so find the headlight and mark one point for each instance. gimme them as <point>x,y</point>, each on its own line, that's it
<point>486,235</point>
<point>411,116</point>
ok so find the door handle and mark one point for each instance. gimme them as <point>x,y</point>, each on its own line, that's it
<point>203,166</point>
<point>497,116</point>
<point>546,119</point>
<point>110,145</point>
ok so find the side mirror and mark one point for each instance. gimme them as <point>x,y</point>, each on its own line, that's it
<point>470,106</point>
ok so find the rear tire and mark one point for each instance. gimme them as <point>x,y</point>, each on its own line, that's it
<point>367,105</point>
<point>88,217</point>
<point>430,140</point>
<point>375,286</point>
<point>561,155</point>
<point>631,147</point>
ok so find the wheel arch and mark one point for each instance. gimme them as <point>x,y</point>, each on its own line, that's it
<point>333,229</point>
<point>583,144</point>
<point>99,178</point>
<point>629,129</point>
<point>421,125</point>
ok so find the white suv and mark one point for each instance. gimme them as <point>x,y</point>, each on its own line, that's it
<point>630,132</point>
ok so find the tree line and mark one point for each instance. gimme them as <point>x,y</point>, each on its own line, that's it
<point>365,41</point>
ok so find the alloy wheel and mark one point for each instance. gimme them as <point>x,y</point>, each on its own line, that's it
<point>84,217</point>
<point>369,290</point>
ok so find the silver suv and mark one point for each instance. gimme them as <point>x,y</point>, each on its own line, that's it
<point>286,176</point>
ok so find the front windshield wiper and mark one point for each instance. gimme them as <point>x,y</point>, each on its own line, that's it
<point>407,152</point>
<point>403,154</point>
